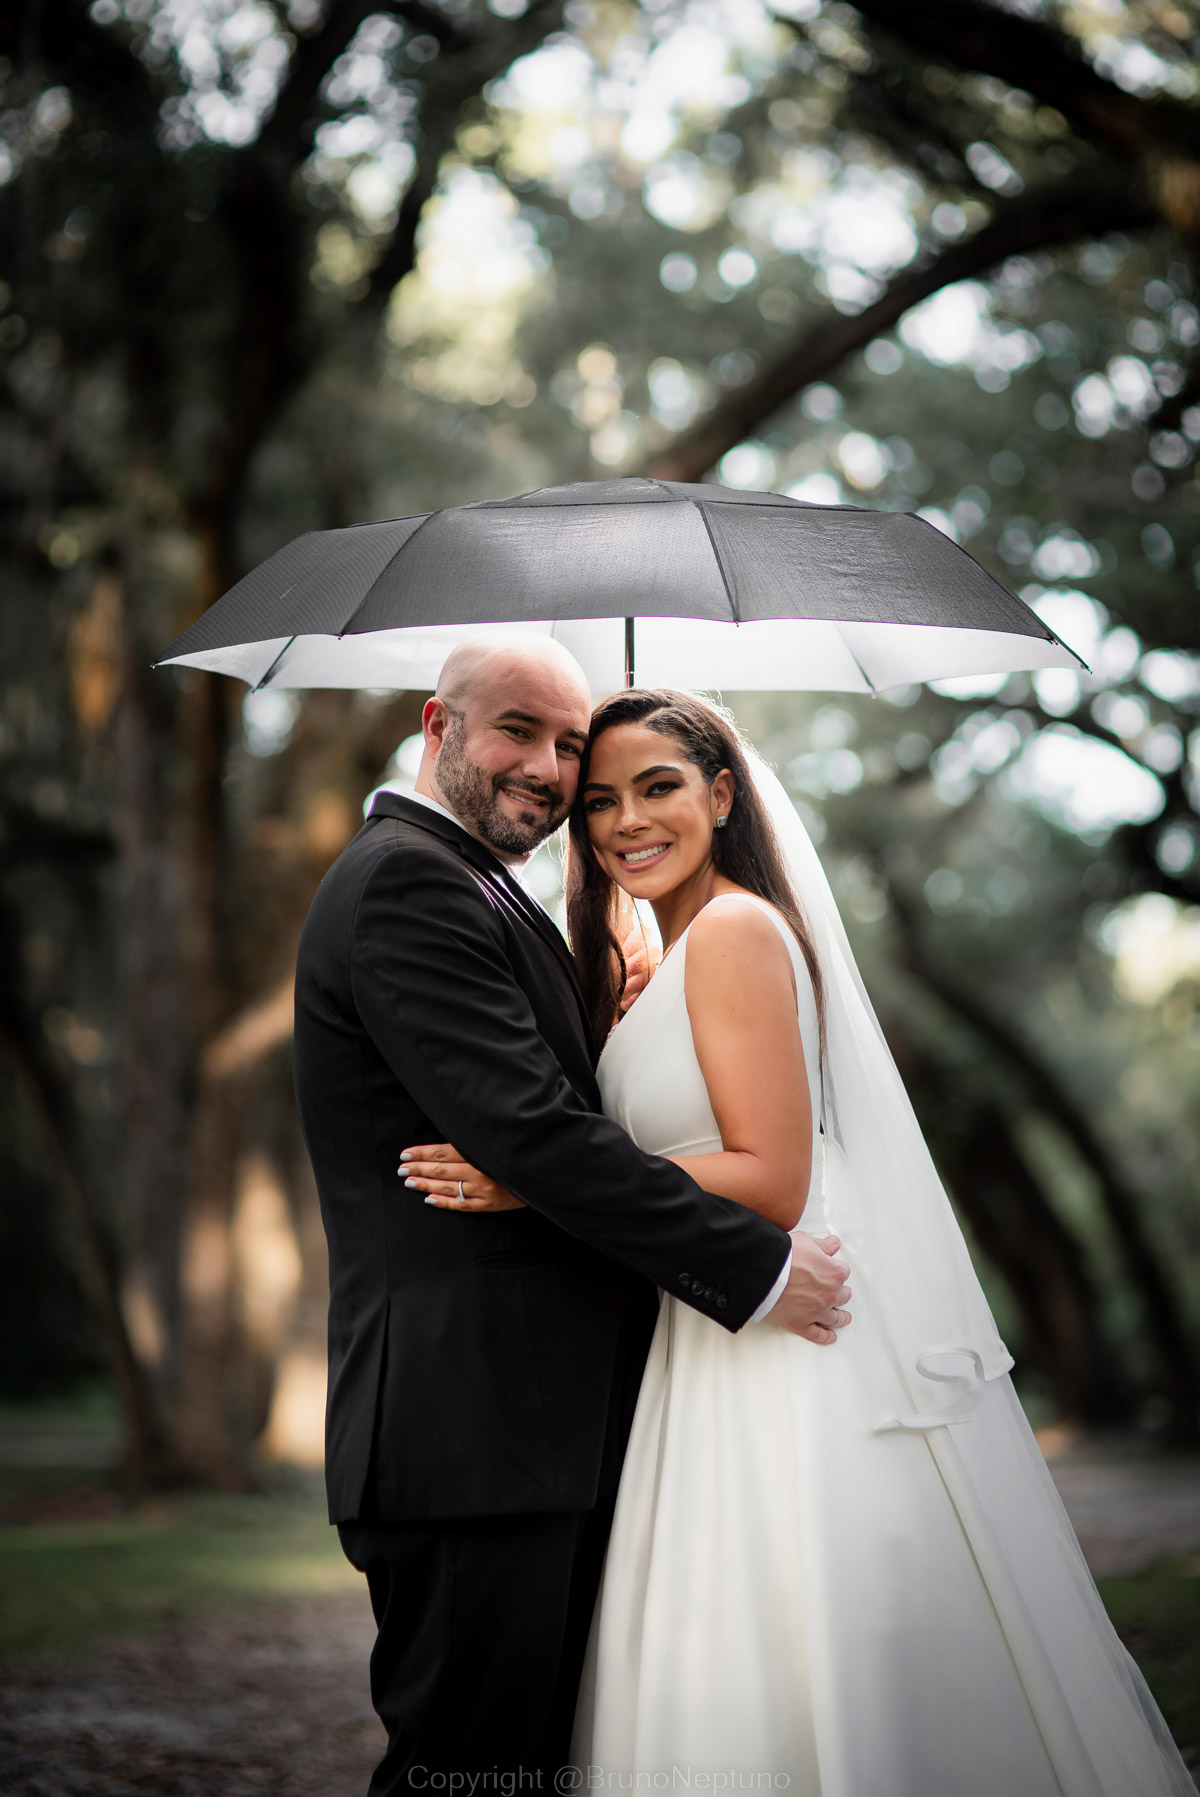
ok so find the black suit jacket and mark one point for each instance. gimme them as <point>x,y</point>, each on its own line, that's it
<point>481,1364</point>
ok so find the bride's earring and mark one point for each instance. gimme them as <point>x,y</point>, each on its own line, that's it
<point>722,821</point>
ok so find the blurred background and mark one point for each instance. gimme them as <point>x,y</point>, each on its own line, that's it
<point>272,266</point>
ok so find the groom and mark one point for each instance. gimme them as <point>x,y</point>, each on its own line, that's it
<point>483,1369</point>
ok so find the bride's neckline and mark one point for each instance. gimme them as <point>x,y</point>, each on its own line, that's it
<point>682,936</point>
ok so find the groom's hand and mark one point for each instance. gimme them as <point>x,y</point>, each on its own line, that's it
<point>810,1303</point>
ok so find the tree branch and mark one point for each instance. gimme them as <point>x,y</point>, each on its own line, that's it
<point>894,110</point>
<point>454,80</point>
<point>1057,214</point>
<point>247,1038</point>
<point>1169,415</point>
<point>80,53</point>
<point>269,241</point>
<point>1138,838</point>
<point>287,132</point>
<point>1163,1318</point>
<point>1044,62</point>
<point>1018,1228</point>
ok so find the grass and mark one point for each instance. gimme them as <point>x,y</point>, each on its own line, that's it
<point>64,1585</point>
<point>1158,1615</point>
<point>102,1570</point>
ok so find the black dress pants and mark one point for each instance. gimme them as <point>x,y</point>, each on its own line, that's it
<point>482,1625</point>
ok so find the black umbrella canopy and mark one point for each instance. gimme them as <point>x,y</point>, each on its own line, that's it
<point>818,593</point>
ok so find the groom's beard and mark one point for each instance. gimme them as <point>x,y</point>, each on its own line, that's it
<point>474,797</point>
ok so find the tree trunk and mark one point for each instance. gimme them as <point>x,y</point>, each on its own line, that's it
<point>1022,1235</point>
<point>212,1439</point>
<point>146,1456</point>
<point>158,1025</point>
<point>1163,1317</point>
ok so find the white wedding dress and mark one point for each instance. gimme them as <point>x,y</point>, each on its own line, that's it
<point>794,1600</point>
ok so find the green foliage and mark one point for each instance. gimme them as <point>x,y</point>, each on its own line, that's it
<point>221,325</point>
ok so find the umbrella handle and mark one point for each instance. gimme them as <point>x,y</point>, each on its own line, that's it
<point>628,652</point>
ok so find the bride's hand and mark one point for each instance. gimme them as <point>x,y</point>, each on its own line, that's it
<point>450,1183</point>
<point>639,967</point>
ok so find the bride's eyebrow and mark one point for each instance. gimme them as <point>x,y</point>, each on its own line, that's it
<point>664,767</point>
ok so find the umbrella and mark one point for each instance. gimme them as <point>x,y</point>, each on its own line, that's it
<point>733,589</point>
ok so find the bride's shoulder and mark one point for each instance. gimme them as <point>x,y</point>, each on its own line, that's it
<point>735,932</point>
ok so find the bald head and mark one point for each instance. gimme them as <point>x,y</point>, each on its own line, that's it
<point>504,734</point>
<point>484,664</point>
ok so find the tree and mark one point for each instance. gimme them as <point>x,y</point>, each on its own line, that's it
<point>1137,165</point>
<point>167,277</point>
<point>221,328</point>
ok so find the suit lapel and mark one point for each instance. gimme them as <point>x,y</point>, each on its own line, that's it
<point>393,804</point>
<point>549,932</point>
<point>535,914</point>
<point>528,908</point>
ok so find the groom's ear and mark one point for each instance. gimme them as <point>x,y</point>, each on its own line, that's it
<point>435,720</point>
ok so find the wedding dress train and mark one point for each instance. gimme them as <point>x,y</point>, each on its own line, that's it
<point>807,1586</point>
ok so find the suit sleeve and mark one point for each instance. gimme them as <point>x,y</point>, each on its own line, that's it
<point>434,988</point>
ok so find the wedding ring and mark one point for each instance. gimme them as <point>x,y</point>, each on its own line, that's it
<point>461,1194</point>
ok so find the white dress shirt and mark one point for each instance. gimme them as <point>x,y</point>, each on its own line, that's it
<point>776,1292</point>
<point>418,798</point>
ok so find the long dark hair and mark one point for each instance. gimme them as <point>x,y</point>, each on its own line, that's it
<point>746,851</point>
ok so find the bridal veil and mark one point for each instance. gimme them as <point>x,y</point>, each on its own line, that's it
<point>910,1264</point>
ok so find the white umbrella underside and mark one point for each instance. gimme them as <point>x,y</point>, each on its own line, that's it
<point>769,655</point>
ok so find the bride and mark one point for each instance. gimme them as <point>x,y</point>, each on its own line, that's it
<point>846,1574</point>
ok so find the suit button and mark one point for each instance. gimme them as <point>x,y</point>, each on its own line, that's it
<point>710,1292</point>
<point>722,1301</point>
<point>697,1288</point>
<point>685,1280</point>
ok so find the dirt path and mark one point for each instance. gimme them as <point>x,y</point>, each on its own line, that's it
<point>271,1704</point>
<point>271,1701</point>
<point>1129,1512</point>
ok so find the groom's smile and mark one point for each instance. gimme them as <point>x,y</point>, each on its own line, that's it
<point>504,739</point>
<point>525,800</point>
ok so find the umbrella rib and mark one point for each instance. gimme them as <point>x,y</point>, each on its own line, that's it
<point>1055,638</point>
<point>390,562</point>
<point>274,665</point>
<point>871,686</point>
<point>1043,630</point>
<point>734,608</point>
